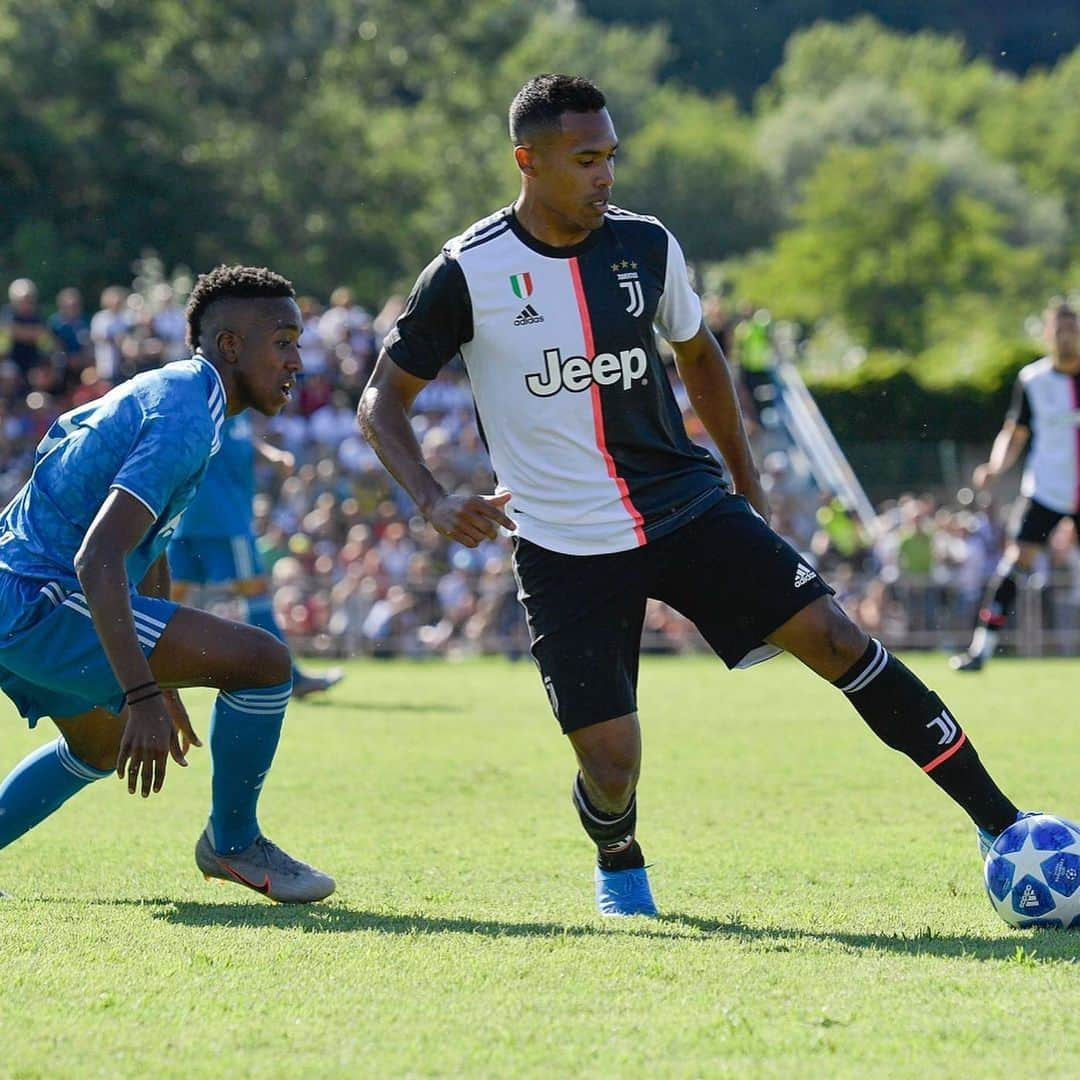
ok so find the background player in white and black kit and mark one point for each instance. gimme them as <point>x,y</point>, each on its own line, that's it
<point>610,501</point>
<point>1045,413</point>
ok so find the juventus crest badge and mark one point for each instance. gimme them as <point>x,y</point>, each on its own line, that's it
<point>627,274</point>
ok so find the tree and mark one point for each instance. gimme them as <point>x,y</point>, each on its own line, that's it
<point>694,161</point>
<point>794,138</point>
<point>1035,128</point>
<point>91,144</point>
<point>730,46</point>
<point>892,241</point>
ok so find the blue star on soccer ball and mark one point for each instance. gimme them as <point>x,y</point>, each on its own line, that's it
<point>1033,873</point>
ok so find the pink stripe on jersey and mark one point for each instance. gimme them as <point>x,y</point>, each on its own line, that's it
<point>598,414</point>
<point>1074,383</point>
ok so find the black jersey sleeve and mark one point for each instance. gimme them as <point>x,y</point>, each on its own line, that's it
<point>436,322</point>
<point>1020,407</point>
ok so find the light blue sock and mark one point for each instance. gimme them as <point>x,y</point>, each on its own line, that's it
<point>40,784</point>
<point>245,726</point>
<point>261,614</point>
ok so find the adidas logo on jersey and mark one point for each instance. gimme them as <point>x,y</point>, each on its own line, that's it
<point>802,575</point>
<point>577,373</point>
<point>528,316</point>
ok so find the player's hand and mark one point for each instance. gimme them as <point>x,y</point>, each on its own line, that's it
<point>983,476</point>
<point>284,462</point>
<point>181,722</point>
<point>149,737</point>
<point>470,519</point>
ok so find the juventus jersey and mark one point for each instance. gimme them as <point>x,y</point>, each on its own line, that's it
<point>1048,402</point>
<point>573,401</point>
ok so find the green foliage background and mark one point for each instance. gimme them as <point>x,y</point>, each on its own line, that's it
<point>899,194</point>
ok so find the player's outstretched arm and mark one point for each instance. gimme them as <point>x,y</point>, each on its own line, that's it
<point>149,736</point>
<point>1008,446</point>
<point>383,416</point>
<point>704,371</point>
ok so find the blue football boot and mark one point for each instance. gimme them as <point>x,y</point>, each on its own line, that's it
<point>986,839</point>
<point>624,892</point>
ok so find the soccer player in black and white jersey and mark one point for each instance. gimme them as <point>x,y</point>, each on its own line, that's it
<point>552,302</point>
<point>1045,418</point>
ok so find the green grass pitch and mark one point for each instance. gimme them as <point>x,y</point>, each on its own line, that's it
<point>822,907</point>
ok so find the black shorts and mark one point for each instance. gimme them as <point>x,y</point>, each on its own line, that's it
<point>1032,523</point>
<point>726,571</point>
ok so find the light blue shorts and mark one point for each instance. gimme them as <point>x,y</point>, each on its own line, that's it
<point>51,659</point>
<point>210,560</point>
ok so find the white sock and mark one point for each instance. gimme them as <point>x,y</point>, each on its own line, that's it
<point>983,642</point>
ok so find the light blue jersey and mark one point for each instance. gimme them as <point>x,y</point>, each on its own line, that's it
<point>222,507</point>
<point>151,437</point>
<point>215,540</point>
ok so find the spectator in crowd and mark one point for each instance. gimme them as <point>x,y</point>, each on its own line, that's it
<point>311,341</point>
<point>167,323</point>
<point>71,329</point>
<point>108,329</point>
<point>754,352</point>
<point>346,329</point>
<point>25,328</point>
<point>341,541</point>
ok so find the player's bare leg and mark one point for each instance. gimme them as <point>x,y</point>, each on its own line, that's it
<point>897,707</point>
<point>94,736</point>
<point>823,638</point>
<point>604,795</point>
<point>200,649</point>
<point>609,757</point>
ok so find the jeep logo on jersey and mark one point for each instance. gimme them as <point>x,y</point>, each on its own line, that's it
<point>522,285</point>
<point>576,373</point>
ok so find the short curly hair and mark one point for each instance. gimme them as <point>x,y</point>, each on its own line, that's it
<point>540,103</point>
<point>228,283</point>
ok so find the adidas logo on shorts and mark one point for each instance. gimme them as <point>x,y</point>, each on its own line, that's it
<point>803,574</point>
<point>528,316</point>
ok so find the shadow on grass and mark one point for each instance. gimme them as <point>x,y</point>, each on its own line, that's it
<point>1027,948</point>
<point>1038,945</point>
<point>378,706</point>
<point>338,919</point>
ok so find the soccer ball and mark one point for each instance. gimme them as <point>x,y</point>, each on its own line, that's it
<point>1032,873</point>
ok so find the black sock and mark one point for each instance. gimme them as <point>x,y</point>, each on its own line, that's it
<point>910,718</point>
<point>999,604</point>
<point>613,834</point>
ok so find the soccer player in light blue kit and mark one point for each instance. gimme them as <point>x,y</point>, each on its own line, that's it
<point>88,634</point>
<point>214,544</point>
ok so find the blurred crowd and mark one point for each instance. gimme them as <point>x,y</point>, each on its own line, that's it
<point>357,571</point>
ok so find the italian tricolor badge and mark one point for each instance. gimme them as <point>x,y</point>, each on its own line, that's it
<point>522,285</point>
